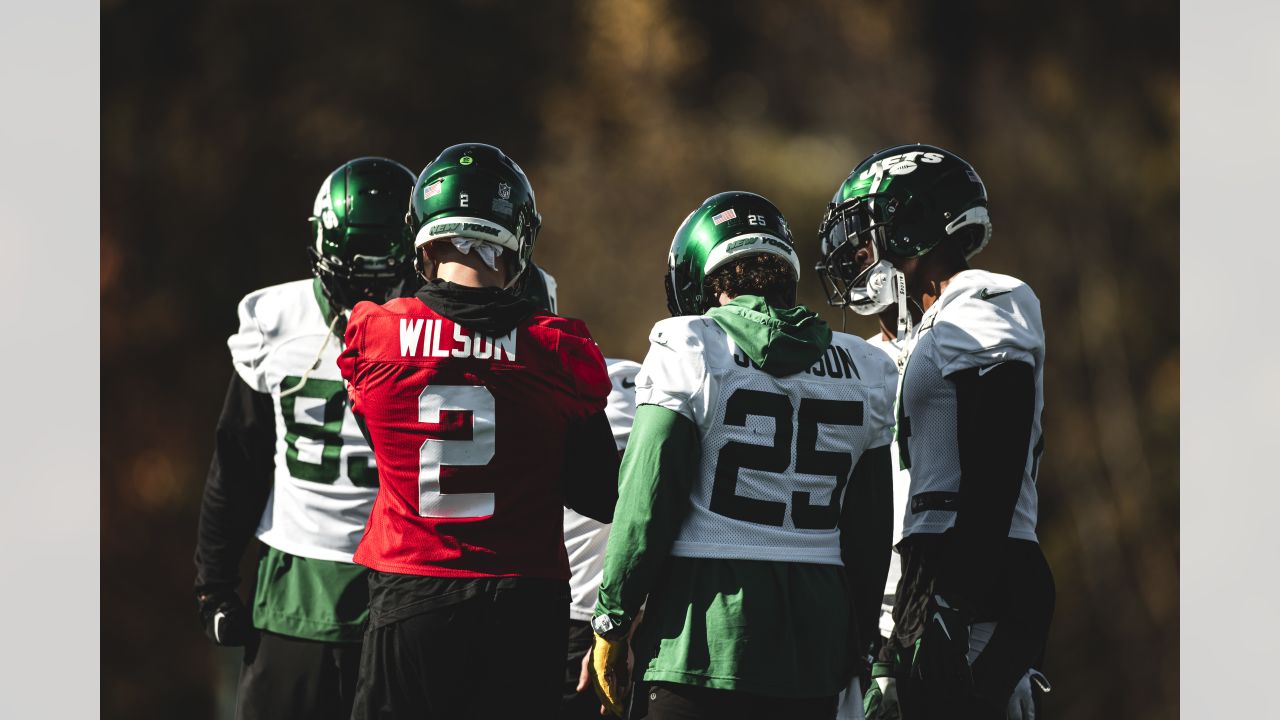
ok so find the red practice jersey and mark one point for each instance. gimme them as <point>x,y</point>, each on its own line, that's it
<point>469,436</point>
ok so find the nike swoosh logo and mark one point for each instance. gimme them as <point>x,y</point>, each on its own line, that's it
<point>984,370</point>
<point>937,617</point>
<point>217,626</point>
<point>626,384</point>
<point>987,294</point>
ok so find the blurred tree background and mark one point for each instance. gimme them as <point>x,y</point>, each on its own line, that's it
<point>219,121</point>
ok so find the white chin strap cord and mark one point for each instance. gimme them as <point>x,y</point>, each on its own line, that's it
<point>904,317</point>
<point>904,314</point>
<point>307,373</point>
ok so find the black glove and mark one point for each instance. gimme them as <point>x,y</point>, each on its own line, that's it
<point>225,618</point>
<point>941,661</point>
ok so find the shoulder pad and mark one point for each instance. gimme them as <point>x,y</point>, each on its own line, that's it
<point>621,409</point>
<point>582,359</point>
<point>683,333</point>
<point>879,374</point>
<point>875,364</point>
<point>986,322</point>
<point>265,317</point>
<point>394,306</point>
<point>566,325</point>
<point>622,372</point>
<point>674,368</point>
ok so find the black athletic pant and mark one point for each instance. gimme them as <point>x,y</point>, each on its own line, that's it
<point>287,678</point>
<point>673,701</point>
<point>1022,608</point>
<point>470,648</point>
<point>576,705</point>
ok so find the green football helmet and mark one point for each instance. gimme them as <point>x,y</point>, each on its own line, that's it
<point>900,202</point>
<point>475,191</point>
<point>726,227</point>
<point>359,251</point>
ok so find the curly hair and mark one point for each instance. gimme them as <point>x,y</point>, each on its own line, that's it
<point>766,275</point>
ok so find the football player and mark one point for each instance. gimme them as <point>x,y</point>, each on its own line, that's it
<point>851,702</point>
<point>754,500</point>
<point>290,464</point>
<point>487,416</point>
<point>585,540</point>
<point>1022,702</point>
<point>975,597</point>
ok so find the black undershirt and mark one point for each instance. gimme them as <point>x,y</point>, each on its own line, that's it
<point>237,486</point>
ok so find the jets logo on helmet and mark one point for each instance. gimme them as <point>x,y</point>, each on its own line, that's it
<point>725,227</point>
<point>897,203</point>
<point>359,251</point>
<point>475,191</point>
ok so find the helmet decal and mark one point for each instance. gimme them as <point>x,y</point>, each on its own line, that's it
<point>475,191</point>
<point>724,228</point>
<point>900,202</point>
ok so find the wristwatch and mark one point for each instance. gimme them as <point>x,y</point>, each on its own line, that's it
<point>609,627</point>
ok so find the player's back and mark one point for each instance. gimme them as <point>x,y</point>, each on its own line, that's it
<point>468,431</point>
<point>777,451</point>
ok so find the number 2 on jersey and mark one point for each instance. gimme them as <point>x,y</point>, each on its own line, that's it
<point>479,450</point>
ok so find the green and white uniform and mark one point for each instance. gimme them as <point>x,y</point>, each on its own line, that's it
<point>325,479</point>
<point>733,495</point>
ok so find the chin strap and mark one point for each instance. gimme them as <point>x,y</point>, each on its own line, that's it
<point>904,317</point>
<point>307,373</point>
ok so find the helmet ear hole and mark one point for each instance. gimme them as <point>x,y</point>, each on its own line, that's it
<point>968,239</point>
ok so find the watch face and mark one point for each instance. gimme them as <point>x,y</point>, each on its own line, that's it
<point>602,624</point>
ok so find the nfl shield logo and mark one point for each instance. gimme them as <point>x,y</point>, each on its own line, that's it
<point>504,191</point>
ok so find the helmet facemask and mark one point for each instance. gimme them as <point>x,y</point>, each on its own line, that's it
<point>870,287</point>
<point>867,288</point>
<point>368,272</point>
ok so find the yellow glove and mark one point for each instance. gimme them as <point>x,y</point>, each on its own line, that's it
<point>609,673</point>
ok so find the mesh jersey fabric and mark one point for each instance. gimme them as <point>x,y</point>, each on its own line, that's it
<point>776,451</point>
<point>980,320</point>
<point>325,475</point>
<point>901,489</point>
<point>585,539</point>
<point>469,432</point>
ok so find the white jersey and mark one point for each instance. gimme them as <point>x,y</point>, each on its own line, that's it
<point>325,477</point>
<point>982,319</point>
<point>584,538</point>
<point>777,452</point>
<point>901,490</point>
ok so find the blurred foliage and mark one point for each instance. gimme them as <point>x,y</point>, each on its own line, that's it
<point>219,120</point>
